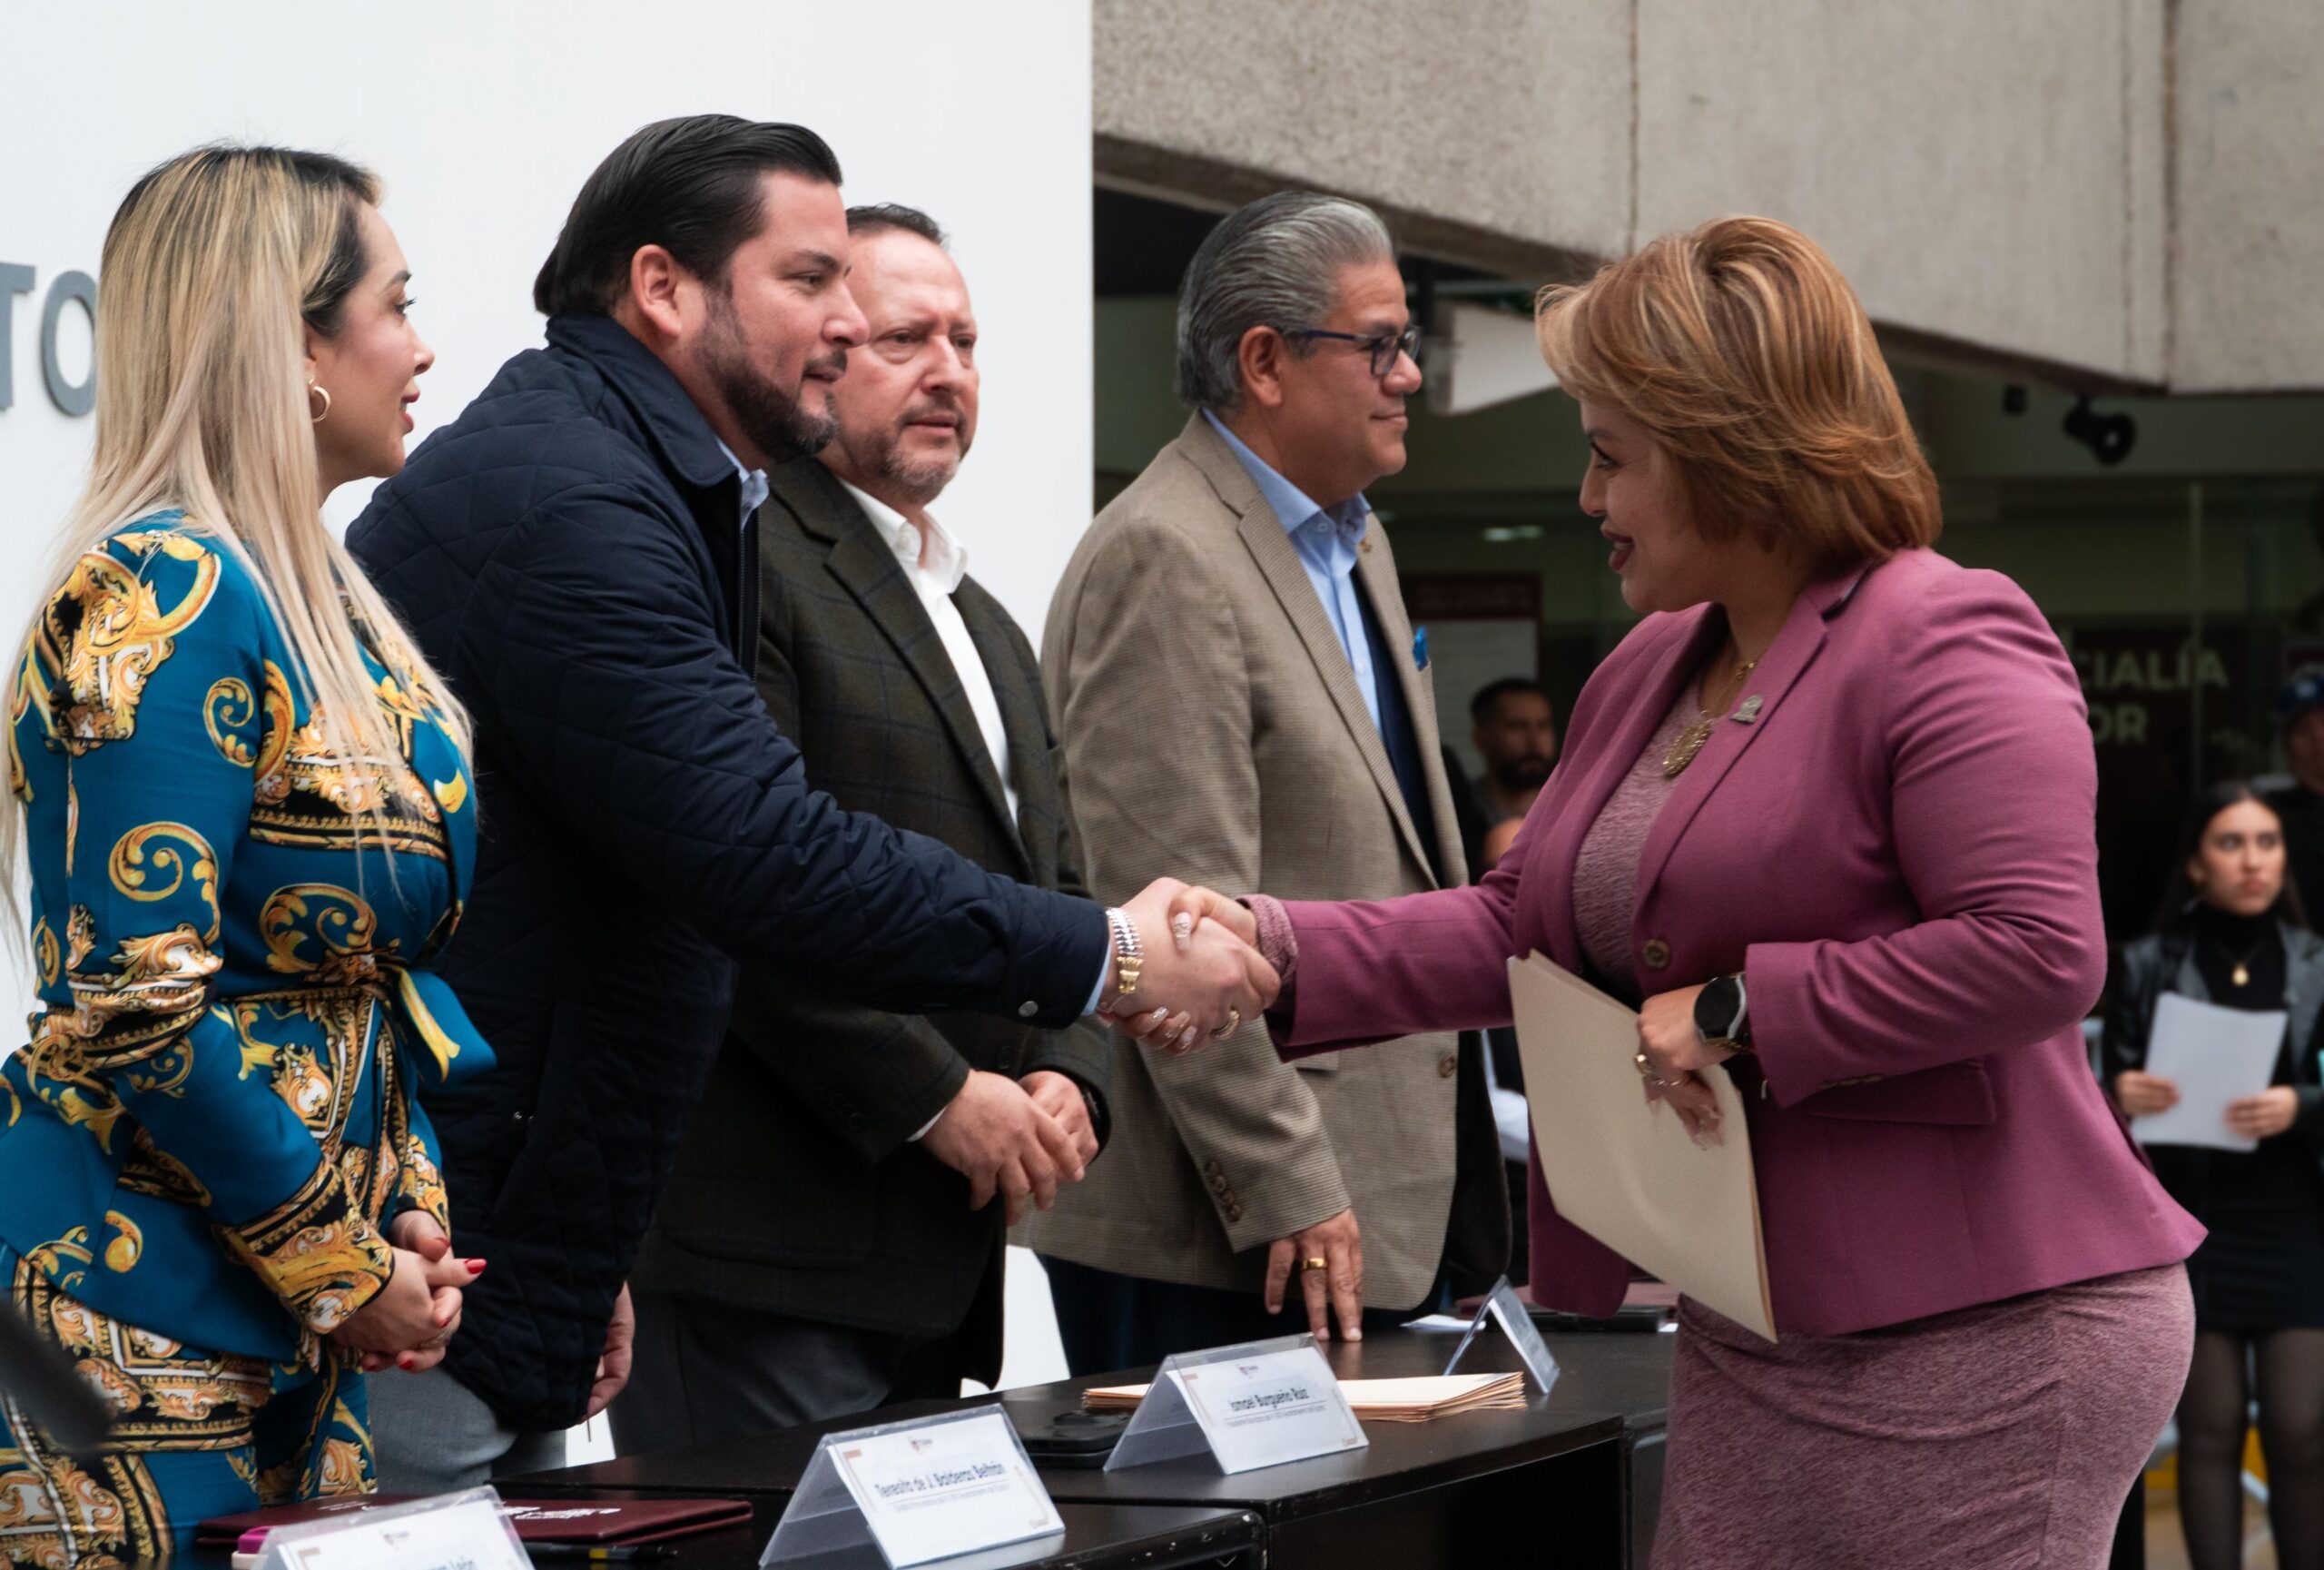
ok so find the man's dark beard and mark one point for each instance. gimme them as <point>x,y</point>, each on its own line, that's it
<point>1529,773</point>
<point>774,422</point>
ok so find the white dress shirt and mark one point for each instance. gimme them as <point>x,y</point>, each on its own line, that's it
<point>934,564</point>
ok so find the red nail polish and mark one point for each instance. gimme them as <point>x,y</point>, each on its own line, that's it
<point>406,1362</point>
<point>476,1267</point>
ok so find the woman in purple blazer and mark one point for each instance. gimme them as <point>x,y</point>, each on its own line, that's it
<point>1827,815</point>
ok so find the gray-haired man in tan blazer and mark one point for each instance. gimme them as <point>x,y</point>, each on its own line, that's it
<point>1242,704</point>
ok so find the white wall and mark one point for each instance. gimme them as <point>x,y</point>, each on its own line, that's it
<point>483,120</point>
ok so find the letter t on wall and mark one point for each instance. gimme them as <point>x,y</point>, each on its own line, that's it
<point>15,279</point>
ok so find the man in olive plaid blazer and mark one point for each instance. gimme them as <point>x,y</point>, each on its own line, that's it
<point>815,1253</point>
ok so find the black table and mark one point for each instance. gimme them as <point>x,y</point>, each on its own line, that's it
<point>1096,1538</point>
<point>1579,1467</point>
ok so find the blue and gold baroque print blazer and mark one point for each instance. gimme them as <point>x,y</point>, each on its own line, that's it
<point>215,1120</point>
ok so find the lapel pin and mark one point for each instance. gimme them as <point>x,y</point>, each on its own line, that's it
<point>1750,709</point>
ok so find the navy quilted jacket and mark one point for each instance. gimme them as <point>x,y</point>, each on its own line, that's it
<point>568,553</point>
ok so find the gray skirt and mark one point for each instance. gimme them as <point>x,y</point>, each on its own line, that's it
<point>2002,1437</point>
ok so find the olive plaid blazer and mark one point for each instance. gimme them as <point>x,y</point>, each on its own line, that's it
<point>796,1191</point>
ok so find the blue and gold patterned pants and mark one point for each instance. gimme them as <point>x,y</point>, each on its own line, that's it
<point>196,1434</point>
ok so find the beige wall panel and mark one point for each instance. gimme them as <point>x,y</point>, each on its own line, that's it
<point>1965,163</point>
<point>2249,236</point>
<point>1509,117</point>
<point>2146,122</point>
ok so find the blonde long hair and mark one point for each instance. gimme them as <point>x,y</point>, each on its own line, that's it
<point>213,265</point>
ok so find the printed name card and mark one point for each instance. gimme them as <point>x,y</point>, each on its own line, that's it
<point>1257,1405</point>
<point>1504,1308</point>
<point>956,1487</point>
<point>463,1531</point>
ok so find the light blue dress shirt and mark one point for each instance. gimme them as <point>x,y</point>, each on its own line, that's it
<point>754,486</point>
<point>1326,540</point>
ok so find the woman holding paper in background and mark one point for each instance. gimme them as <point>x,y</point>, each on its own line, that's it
<point>1828,814</point>
<point>2231,932</point>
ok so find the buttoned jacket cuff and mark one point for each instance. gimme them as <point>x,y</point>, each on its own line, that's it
<point>1053,984</point>
<point>1279,946</point>
<point>316,1252</point>
<point>922,1112</point>
<point>2309,1121</point>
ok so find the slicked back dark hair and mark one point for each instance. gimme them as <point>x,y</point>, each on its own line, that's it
<point>881,217</point>
<point>690,185</point>
<point>1493,692</point>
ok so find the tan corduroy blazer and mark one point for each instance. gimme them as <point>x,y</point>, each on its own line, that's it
<point>1213,730</point>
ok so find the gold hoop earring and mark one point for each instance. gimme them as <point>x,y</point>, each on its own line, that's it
<point>323,393</point>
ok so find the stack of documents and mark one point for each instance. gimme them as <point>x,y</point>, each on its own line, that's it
<point>1415,1400</point>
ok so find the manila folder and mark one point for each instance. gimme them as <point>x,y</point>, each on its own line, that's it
<point>1623,1169</point>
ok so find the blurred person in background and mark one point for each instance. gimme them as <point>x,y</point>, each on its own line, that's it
<point>2299,718</point>
<point>1515,729</point>
<point>245,808</point>
<point>2232,932</point>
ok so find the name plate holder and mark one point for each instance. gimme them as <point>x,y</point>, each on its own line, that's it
<point>1258,1404</point>
<point>463,1531</point>
<point>1503,1306</point>
<point>955,1488</point>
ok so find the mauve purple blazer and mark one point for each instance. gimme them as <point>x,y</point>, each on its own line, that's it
<point>1898,853</point>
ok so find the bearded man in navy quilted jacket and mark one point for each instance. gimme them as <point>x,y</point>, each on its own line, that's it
<point>576,554</point>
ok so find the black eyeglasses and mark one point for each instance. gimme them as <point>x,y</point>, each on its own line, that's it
<point>1384,347</point>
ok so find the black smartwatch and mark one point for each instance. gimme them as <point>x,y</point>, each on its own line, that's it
<point>1722,1014</point>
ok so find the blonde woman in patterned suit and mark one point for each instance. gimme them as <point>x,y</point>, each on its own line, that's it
<point>244,812</point>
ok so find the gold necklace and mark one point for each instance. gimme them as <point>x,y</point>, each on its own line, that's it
<point>2242,975</point>
<point>1690,740</point>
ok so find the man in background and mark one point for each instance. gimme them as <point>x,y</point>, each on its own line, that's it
<point>829,1240</point>
<point>1516,731</point>
<point>1242,701</point>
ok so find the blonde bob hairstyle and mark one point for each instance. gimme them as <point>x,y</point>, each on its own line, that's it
<point>1740,346</point>
<point>213,268</point>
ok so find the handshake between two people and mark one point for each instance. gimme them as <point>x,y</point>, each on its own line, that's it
<point>1200,977</point>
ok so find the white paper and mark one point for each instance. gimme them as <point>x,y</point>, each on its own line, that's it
<point>943,1488</point>
<point>462,1531</point>
<point>1625,1170</point>
<point>2214,1056</point>
<point>1269,1408</point>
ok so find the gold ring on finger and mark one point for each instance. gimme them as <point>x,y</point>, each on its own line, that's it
<point>1314,1262</point>
<point>1234,1023</point>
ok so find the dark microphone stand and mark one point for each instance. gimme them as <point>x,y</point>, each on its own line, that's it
<point>47,1388</point>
